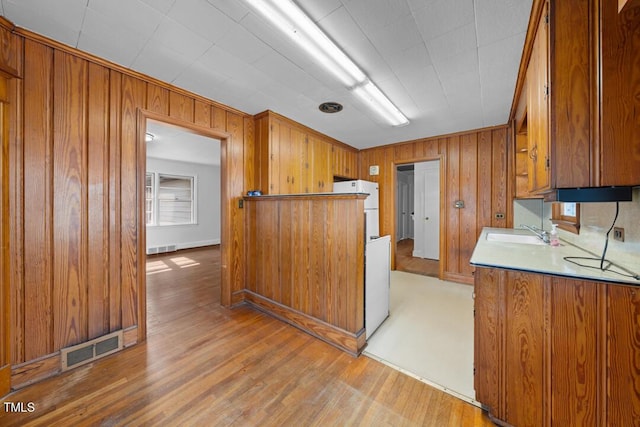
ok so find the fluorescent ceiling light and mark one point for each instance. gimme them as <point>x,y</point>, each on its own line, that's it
<point>378,102</point>
<point>291,20</point>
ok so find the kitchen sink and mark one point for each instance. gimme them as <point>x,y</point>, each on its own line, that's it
<point>515,238</point>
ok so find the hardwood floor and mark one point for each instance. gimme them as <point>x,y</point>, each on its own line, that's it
<point>203,364</point>
<point>405,261</point>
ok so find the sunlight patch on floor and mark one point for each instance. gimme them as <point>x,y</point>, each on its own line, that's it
<point>184,262</point>
<point>154,267</point>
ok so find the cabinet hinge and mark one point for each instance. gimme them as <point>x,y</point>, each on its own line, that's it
<point>546,18</point>
<point>547,162</point>
<point>546,90</point>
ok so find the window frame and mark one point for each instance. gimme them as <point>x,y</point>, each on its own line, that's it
<point>156,209</point>
<point>565,222</point>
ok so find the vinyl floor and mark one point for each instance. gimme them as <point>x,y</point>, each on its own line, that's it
<point>429,332</point>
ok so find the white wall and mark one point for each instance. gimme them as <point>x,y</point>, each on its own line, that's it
<point>207,230</point>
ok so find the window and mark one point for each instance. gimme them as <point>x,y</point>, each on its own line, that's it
<point>149,191</point>
<point>169,199</point>
<point>566,216</point>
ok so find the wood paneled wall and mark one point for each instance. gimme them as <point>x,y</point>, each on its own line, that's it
<point>305,263</point>
<point>473,169</point>
<point>77,158</point>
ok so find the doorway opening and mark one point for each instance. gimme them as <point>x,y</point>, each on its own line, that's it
<point>182,193</point>
<point>418,218</point>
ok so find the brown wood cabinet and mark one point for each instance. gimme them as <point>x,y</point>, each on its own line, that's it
<point>344,162</point>
<point>591,94</point>
<point>293,159</point>
<point>537,90</point>
<point>556,351</point>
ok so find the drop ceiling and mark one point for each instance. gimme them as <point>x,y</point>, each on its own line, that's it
<point>449,65</point>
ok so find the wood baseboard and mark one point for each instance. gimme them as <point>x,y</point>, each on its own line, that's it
<point>458,278</point>
<point>34,371</point>
<point>5,380</point>
<point>339,338</point>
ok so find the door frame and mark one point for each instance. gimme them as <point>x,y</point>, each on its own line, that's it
<point>225,206</point>
<point>5,257</point>
<point>394,186</point>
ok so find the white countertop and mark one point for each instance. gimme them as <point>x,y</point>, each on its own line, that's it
<point>543,258</point>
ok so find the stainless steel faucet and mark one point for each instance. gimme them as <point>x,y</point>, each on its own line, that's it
<point>542,235</point>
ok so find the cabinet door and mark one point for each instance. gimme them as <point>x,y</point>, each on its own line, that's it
<point>538,111</point>
<point>299,164</point>
<point>574,353</point>
<point>321,179</point>
<point>488,305</point>
<point>623,355</point>
<point>524,349</point>
<point>344,162</point>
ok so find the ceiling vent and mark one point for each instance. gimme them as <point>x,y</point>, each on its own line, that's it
<point>330,107</point>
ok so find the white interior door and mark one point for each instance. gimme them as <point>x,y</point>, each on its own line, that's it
<point>427,210</point>
<point>404,205</point>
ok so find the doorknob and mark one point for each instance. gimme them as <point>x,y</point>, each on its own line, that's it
<point>426,219</point>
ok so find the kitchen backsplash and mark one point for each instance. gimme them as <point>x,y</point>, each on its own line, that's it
<point>595,221</point>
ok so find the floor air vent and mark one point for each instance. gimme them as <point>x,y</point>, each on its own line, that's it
<point>91,350</point>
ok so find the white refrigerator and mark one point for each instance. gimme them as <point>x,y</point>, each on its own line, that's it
<point>377,254</point>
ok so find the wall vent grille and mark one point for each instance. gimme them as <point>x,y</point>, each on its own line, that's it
<point>89,351</point>
<point>161,249</point>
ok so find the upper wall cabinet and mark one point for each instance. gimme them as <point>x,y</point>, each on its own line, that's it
<point>293,159</point>
<point>344,162</point>
<point>537,92</point>
<point>593,72</point>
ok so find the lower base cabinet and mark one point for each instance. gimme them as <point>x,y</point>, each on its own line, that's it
<point>556,351</point>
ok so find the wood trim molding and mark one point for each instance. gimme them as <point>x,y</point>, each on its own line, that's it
<point>5,380</point>
<point>344,340</point>
<point>35,370</point>
<point>459,278</point>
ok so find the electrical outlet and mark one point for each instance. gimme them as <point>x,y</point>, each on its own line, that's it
<point>618,234</point>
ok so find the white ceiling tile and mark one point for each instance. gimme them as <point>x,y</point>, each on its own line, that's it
<point>454,66</point>
<point>453,43</point>
<point>131,14</point>
<point>399,35</point>
<point>242,44</point>
<point>158,61</point>
<point>499,19</point>
<point>234,9</point>
<point>372,15</point>
<point>61,23</point>
<point>161,6</point>
<point>317,10</point>
<point>202,18</point>
<point>201,78</point>
<point>179,38</point>
<point>439,17</point>
<point>97,37</point>
<point>494,62</point>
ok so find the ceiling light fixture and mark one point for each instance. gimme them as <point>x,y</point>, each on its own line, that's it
<point>291,20</point>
